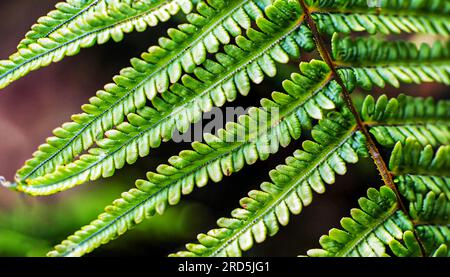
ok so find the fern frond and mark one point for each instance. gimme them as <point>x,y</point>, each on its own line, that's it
<point>435,239</point>
<point>392,17</point>
<point>380,224</point>
<point>215,83</point>
<point>373,228</point>
<point>64,13</point>
<point>349,51</point>
<point>429,197</point>
<point>336,143</point>
<point>224,48</point>
<point>376,62</point>
<point>255,136</point>
<point>421,179</point>
<point>412,158</point>
<point>98,24</point>
<point>161,66</point>
<point>396,120</point>
<point>427,134</point>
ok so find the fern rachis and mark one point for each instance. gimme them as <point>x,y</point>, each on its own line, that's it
<point>216,54</point>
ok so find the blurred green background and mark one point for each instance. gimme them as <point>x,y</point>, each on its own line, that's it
<point>31,107</point>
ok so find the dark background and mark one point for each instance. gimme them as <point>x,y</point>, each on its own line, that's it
<point>36,104</point>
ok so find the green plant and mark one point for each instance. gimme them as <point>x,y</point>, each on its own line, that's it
<point>218,53</point>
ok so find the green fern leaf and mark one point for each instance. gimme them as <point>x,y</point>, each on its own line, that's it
<point>373,228</point>
<point>428,196</point>
<point>98,24</point>
<point>64,13</point>
<point>391,17</point>
<point>421,179</point>
<point>412,158</point>
<point>376,62</point>
<point>369,233</point>
<point>435,240</point>
<point>404,117</point>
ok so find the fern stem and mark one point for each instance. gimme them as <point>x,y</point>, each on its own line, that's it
<point>375,153</point>
<point>373,149</point>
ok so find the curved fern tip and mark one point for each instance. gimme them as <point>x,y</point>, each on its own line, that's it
<point>7,184</point>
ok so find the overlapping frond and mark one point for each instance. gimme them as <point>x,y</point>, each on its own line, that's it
<point>97,24</point>
<point>215,83</point>
<point>255,136</point>
<point>386,16</point>
<point>429,197</point>
<point>411,157</point>
<point>378,228</point>
<point>396,119</point>
<point>422,178</point>
<point>307,171</point>
<point>435,240</point>
<point>377,62</point>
